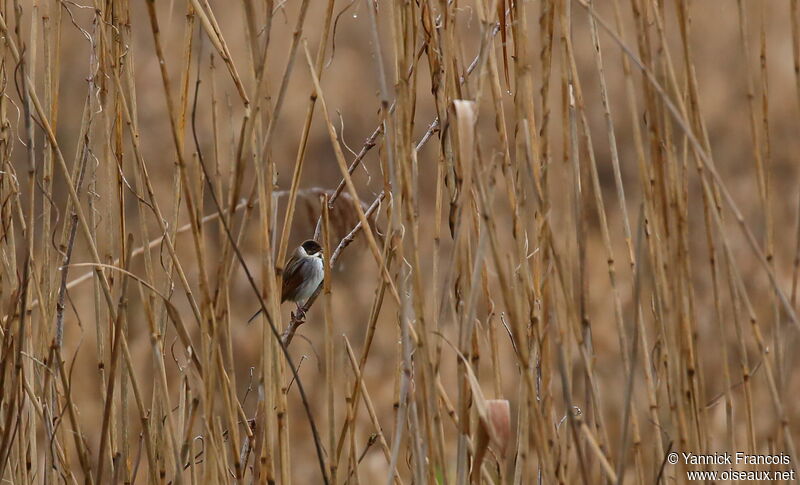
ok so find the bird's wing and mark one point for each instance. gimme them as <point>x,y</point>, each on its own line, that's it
<point>291,277</point>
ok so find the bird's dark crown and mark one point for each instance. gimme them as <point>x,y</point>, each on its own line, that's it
<point>311,247</point>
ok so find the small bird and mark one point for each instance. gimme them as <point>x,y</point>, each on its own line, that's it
<point>302,275</point>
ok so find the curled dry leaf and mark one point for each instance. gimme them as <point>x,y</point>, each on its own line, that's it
<point>499,420</point>
<point>494,416</point>
<point>460,171</point>
<point>494,428</point>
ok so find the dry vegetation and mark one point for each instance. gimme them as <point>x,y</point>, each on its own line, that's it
<point>567,247</point>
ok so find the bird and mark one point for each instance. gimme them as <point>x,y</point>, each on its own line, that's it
<point>302,275</point>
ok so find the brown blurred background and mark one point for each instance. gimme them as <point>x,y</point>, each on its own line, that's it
<point>350,89</point>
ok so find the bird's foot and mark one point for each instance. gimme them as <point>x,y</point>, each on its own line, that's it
<point>300,315</point>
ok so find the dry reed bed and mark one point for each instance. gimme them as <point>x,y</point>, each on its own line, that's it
<point>551,279</point>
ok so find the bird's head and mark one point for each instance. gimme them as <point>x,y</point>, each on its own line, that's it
<point>312,248</point>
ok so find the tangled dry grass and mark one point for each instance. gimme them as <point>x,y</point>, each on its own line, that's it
<point>568,245</point>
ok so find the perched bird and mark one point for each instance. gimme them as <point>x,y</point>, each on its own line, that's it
<point>302,275</point>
